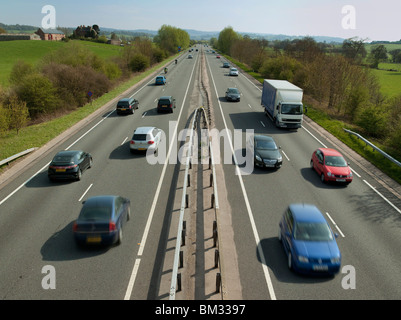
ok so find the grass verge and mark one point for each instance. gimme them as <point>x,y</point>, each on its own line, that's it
<point>40,134</point>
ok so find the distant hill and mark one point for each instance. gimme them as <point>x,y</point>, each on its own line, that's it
<point>194,34</point>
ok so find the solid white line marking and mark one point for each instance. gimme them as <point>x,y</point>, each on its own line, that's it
<point>124,141</point>
<point>314,137</point>
<point>333,222</point>
<point>384,198</point>
<point>155,199</point>
<point>248,206</point>
<point>86,191</point>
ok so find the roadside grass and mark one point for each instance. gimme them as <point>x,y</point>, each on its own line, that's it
<point>335,126</point>
<point>40,134</point>
<point>31,51</point>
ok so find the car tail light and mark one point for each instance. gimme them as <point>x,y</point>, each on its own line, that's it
<point>112,226</point>
<point>151,142</point>
<point>75,227</point>
<point>132,142</point>
<point>171,105</point>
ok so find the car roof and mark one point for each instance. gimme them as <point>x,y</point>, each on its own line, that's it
<point>330,152</point>
<point>140,130</point>
<point>68,152</point>
<point>107,200</point>
<point>306,213</point>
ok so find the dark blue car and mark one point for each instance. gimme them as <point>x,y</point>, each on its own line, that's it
<point>101,220</point>
<point>308,240</point>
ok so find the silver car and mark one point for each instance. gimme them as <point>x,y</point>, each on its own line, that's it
<point>233,72</point>
<point>145,138</point>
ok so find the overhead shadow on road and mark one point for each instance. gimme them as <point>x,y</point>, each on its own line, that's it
<point>61,246</point>
<point>276,261</point>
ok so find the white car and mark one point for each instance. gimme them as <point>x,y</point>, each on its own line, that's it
<point>233,72</point>
<point>145,138</point>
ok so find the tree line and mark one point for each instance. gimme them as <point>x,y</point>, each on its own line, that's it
<point>339,79</point>
<point>61,80</point>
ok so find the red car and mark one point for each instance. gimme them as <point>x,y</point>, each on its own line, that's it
<point>331,166</point>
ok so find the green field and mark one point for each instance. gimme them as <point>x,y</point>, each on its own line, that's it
<point>32,51</point>
<point>390,81</point>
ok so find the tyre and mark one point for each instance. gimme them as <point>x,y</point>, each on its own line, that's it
<point>289,261</point>
<point>322,178</point>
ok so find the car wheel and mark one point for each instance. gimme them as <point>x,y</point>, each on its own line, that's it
<point>279,234</point>
<point>289,261</point>
<point>120,236</point>
<point>90,163</point>
<point>311,165</point>
<point>79,175</point>
<point>322,178</point>
<point>129,214</point>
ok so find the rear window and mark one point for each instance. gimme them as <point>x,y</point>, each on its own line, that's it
<point>139,137</point>
<point>162,102</point>
<point>122,104</point>
<point>95,213</point>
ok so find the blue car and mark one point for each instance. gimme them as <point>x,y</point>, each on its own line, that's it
<point>101,220</point>
<point>308,240</point>
<point>161,80</point>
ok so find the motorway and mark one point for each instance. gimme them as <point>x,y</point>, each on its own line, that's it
<point>36,216</point>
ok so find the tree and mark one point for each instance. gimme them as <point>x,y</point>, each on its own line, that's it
<point>354,49</point>
<point>377,54</point>
<point>18,113</point>
<point>226,40</point>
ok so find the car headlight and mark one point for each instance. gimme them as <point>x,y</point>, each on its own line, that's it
<point>335,260</point>
<point>329,174</point>
<point>258,158</point>
<point>303,259</point>
<point>279,159</point>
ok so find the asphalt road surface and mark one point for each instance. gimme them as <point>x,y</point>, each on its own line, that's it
<point>36,215</point>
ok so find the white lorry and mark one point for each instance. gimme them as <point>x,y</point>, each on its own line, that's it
<point>282,101</point>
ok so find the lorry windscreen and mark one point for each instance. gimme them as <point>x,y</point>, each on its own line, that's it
<point>291,109</point>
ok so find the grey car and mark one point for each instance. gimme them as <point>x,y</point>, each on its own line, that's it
<point>233,94</point>
<point>265,151</point>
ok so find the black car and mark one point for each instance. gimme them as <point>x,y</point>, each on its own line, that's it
<point>69,165</point>
<point>101,220</point>
<point>166,104</point>
<point>265,151</point>
<point>127,105</point>
<point>233,94</point>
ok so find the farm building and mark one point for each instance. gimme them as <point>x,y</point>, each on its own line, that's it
<point>50,34</point>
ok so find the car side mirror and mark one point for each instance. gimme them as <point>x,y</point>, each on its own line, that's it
<point>336,235</point>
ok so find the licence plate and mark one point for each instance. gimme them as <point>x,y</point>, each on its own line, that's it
<point>60,170</point>
<point>340,180</point>
<point>141,149</point>
<point>93,239</point>
<point>320,268</point>
<point>123,109</point>
<point>164,106</point>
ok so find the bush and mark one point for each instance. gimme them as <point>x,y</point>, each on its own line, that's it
<point>139,62</point>
<point>39,94</point>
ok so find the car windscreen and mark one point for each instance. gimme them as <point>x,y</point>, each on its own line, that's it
<point>335,161</point>
<point>233,90</point>
<point>265,145</point>
<point>291,109</point>
<point>311,231</point>
<point>95,213</point>
<point>139,137</point>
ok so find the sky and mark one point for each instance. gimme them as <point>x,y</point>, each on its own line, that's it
<point>366,19</point>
